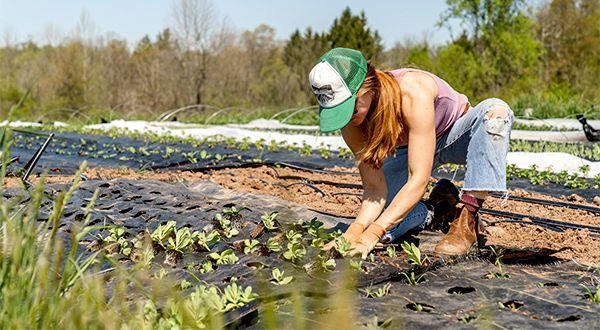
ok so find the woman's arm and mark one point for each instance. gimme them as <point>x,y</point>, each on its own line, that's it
<point>373,180</point>
<point>418,94</point>
<point>374,187</point>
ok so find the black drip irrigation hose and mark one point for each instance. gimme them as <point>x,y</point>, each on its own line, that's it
<point>530,200</point>
<point>550,227</point>
<point>572,206</point>
<point>309,169</point>
<point>10,161</point>
<point>301,184</point>
<point>536,220</point>
<point>325,182</point>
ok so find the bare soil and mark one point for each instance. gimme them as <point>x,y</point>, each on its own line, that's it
<point>577,244</point>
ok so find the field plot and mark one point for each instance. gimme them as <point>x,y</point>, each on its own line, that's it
<point>236,230</point>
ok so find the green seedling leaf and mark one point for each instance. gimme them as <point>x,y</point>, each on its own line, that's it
<point>391,251</point>
<point>183,238</point>
<point>250,245</point>
<point>269,221</point>
<point>414,254</point>
<point>206,240</point>
<point>273,245</point>
<point>372,292</point>
<point>294,252</point>
<point>224,258</point>
<point>278,277</point>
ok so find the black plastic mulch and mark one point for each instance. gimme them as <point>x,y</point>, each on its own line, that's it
<point>539,292</point>
<point>67,150</point>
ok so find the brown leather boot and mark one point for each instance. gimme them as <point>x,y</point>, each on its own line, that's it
<point>443,198</point>
<point>462,234</point>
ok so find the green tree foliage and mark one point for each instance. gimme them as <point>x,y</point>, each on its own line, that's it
<point>300,53</point>
<point>570,34</point>
<point>352,31</point>
<point>498,43</point>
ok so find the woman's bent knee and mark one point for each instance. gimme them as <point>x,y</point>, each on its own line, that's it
<point>498,119</point>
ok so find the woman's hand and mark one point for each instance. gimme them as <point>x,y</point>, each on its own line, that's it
<point>367,241</point>
<point>351,235</point>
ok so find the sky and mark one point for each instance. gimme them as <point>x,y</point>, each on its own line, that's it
<point>132,19</point>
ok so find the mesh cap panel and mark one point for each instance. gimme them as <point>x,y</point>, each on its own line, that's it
<point>350,64</point>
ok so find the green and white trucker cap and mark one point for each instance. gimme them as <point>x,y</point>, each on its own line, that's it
<point>335,80</point>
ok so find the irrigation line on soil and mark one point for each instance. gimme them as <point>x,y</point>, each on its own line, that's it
<point>573,206</point>
<point>309,169</point>
<point>550,227</point>
<point>534,219</point>
<point>530,200</point>
<point>319,191</point>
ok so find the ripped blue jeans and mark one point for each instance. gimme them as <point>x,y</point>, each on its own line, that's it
<point>475,141</point>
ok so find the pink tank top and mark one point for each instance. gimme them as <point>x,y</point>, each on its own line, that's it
<point>449,104</point>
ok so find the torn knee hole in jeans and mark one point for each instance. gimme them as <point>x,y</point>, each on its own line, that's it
<point>496,122</point>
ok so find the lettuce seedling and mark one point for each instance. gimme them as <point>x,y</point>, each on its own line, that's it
<point>226,226</point>
<point>161,233</point>
<point>293,236</point>
<point>233,211</point>
<point>273,245</point>
<point>250,245</point>
<point>414,254</point>
<point>117,243</point>
<point>206,267</point>
<point>357,265</point>
<point>235,296</point>
<point>342,245</point>
<point>205,240</point>
<point>204,154</point>
<point>327,265</point>
<point>269,220</point>
<point>411,278</point>
<point>294,252</point>
<point>183,238</point>
<point>224,258</point>
<point>371,292</point>
<point>278,278</point>
<point>391,251</point>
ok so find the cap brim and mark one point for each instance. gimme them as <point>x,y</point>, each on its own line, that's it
<point>331,119</point>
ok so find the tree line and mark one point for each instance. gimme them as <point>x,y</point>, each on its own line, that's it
<point>546,58</point>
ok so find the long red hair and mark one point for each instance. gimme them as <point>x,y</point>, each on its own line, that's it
<point>383,124</point>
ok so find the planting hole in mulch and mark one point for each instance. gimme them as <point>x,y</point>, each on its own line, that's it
<point>126,210</point>
<point>513,304</point>
<point>420,307</point>
<point>570,318</point>
<point>461,290</point>
<point>549,284</point>
<point>256,265</point>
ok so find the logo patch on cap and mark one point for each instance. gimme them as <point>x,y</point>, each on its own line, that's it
<point>324,93</point>
<point>328,86</point>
